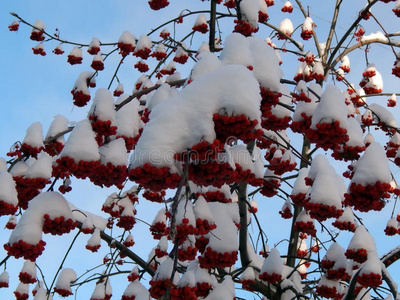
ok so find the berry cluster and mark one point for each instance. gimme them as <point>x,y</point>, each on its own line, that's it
<point>159,287</point>
<point>369,197</point>
<point>58,225</point>
<point>213,259</point>
<point>270,278</point>
<point>25,250</point>
<point>153,178</point>
<point>358,255</point>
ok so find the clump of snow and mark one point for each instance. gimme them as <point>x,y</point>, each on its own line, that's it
<point>59,124</point>
<point>332,107</point>
<point>202,210</point>
<point>19,169</point>
<point>375,159</point>
<point>249,10</point>
<point>384,115</point>
<point>201,19</point>
<point>39,25</point>
<point>190,112</point>
<point>65,278</point>
<point>224,237</point>
<point>3,164</point>
<point>81,144</point>
<point>81,84</point>
<point>286,26</point>
<point>29,227</point>
<point>372,265</point>
<point>114,153</point>
<point>4,277</point>
<point>273,263</point>
<point>103,289</point>
<point>164,92</point>
<point>379,36</point>
<point>362,239</point>
<point>34,135</point>
<point>207,62</point>
<point>8,192</point>
<point>248,274</point>
<point>103,105</point>
<point>144,42</point>
<point>137,290</point>
<point>223,291</point>
<point>41,168</point>
<point>94,239</point>
<point>82,215</point>
<point>308,24</point>
<point>128,120</point>
<point>253,52</point>
<point>127,38</point>
<point>76,52</point>
<point>355,133</point>
<point>29,267</point>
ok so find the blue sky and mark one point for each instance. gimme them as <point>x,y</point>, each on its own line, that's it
<point>36,88</point>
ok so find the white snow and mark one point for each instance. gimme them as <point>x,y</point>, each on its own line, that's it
<point>207,62</point>
<point>372,265</point>
<point>379,36</point>
<point>81,144</point>
<point>127,38</point>
<point>81,216</point>
<point>286,26</point>
<point>8,192</point>
<point>137,290</point>
<point>127,119</point>
<point>189,120</point>
<point>332,107</point>
<point>67,275</point>
<point>39,25</point>
<point>362,239</point>
<point>223,291</point>
<point>22,288</point>
<point>144,42</point>
<point>200,20</point>
<point>384,115</point>
<point>29,227</point>
<point>249,10</point>
<point>95,238</point>
<point>103,105</point>
<point>30,268</point>
<point>308,24</point>
<point>4,277</point>
<point>114,152</point>
<point>202,210</point>
<point>76,51</point>
<point>374,158</point>
<point>59,124</point>
<point>34,135</point>
<point>273,263</point>
<point>248,274</point>
<point>102,289</point>
<point>41,168</point>
<point>224,237</point>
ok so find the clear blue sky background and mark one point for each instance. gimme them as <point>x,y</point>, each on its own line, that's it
<point>36,88</point>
